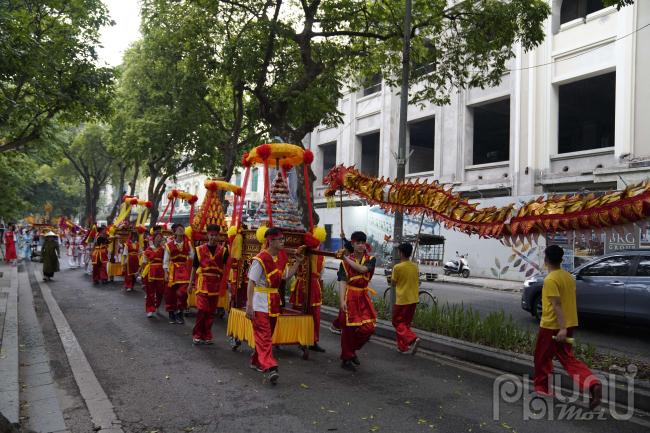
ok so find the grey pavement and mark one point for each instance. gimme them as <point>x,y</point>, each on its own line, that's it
<point>607,336</point>
<point>158,381</point>
<point>9,389</point>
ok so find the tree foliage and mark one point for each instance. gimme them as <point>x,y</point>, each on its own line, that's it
<point>49,67</point>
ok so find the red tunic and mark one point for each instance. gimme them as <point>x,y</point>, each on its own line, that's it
<point>298,294</point>
<point>210,270</point>
<point>132,259</point>
<point>100,253</point>
<point>10,246</point>
<point>155,258</point>
<point>179,271</point>
<point>274,271</point>
<point>357,299</point>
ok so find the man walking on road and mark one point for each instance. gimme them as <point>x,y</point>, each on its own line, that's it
<point>354,275</point>
<point>559,320</point>
<point>406,283</point>
<point>152,259</point>
<point>177,273</point>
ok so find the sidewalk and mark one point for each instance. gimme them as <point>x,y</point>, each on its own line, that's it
<point>9,385</point>
<point>485,283</point>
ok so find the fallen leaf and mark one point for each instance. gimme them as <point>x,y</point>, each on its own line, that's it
<point>302,385</point>
<point>167,377</point>
<point>374,428</point>
<point>407,402</point>
<point>422,421</point>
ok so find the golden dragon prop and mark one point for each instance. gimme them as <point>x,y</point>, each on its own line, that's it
<point>546,214</point>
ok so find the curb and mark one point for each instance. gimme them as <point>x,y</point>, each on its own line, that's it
<point>99,406</point>
<point>510,362</point>
<point>9,395</point>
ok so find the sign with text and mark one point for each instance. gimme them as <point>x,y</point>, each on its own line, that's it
<point>618,242</point>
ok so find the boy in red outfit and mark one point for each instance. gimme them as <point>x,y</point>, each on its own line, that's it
<point>155,274</point>
<point>177,273</point>
<point>354,275</point>
<point>406,283</point>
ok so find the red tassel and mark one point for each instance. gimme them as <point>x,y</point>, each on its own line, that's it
<point>267,189</point>
<point>308,157</point>
<point>264,151</point>
<point>244,160</point>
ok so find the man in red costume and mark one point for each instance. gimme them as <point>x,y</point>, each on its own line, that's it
<point>315,295</point>
<point>100,257</point>
<point>209,262</point>
<point>155,275</point>
<point>354,275</point>
<point>131,254</point>
<point>177,273</point>
<point>265,275</point>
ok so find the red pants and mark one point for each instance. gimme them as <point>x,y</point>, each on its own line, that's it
<point>206,306</point>
<point>263,328</point>
<point>339,321</point>
<point>129,281</point>
<point>353,338</point>
<point>315,312</point>
<point>99,272</point>
<point>402,318</point>
<point>546,349</point>
<point>154,290</point>
<point>176,297</point>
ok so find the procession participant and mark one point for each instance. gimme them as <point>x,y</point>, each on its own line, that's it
<point>10,244</point>
<point>99,256</point>
<point>336,325</point>
<point>131,260</point>
<point>27,244</point>
<point>354,275</point>
<point>405,280</point>
<point>155,275</point>
<point>115,255</point>
<point>208,264</point>
<point>559,321</point>
<point>148,243</point>
<point>50,255</point>
<point>77,252</point>
<point>177,273</point>
<point>265,275</point>
<point>315,294</point>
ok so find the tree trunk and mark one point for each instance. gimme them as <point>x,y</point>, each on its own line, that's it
<point>155,192</point>
<point>90,216</point>
<point>120,193</point>
<point>134,180</point>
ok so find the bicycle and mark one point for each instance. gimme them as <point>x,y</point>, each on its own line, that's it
<point>425,298</point>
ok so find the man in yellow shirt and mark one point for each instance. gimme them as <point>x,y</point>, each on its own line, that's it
<point>559,320</point>
<point>406,283</point>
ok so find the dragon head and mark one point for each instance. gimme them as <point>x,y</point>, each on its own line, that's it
<point>334,179</point>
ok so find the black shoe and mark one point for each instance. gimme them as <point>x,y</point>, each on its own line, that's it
<point>172,317</point>
<point>273,376</point>
<point>595,396</point>
<point>316,348</point>
<point>179,318</point>
<point>356,361</point>
<point>348,365</point>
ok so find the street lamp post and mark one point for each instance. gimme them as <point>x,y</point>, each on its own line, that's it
<point>398,227</point>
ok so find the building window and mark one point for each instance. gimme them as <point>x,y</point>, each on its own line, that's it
<point>421,145</point>
<point>328,152</point>
<point>238,179</point>
<point>370,154</point>
<point>586,114</point>
<point>491,141</point>
<point>574,9</point>
<point>254,179</point>
<point>371,85</point>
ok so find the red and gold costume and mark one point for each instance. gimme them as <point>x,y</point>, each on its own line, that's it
<point>209,272</point>
<point>155,277</point>
<point>10,246</point>
<point>179,275</point>
<point>266,305</point>
<point>99,259</point>
<point>315,296</point>
<point>131,263</point>
<point>360,317</point>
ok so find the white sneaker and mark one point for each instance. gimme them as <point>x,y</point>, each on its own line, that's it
<point>334,330</point>
<point>151,315</point>
<point>414,346</point>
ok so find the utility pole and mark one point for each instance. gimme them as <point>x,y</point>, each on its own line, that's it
<point>398,227</point>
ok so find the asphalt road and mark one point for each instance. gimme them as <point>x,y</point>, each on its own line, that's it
<point>605,335</point>
<point>159,382</point>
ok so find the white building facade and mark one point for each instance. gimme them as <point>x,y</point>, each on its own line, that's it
<point>572,115</point>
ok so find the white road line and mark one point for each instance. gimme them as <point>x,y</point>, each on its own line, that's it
<point>100,407</point>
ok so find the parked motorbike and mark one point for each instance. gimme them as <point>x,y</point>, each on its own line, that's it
<point>458,267</point>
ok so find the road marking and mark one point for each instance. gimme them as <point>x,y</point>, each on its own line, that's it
<point>100,407</point>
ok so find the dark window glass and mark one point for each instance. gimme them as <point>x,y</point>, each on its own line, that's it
<point>371,85</point>
<point>643,269</point>
<point>421,144</point>
<point>491,132</point>
<point>610,267</point>
<point>329,157</point>
<point>572,9</point>
<point>238,179</point>
<point>370,154</point>
<point>254,179</point>
<point>586,114</point>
